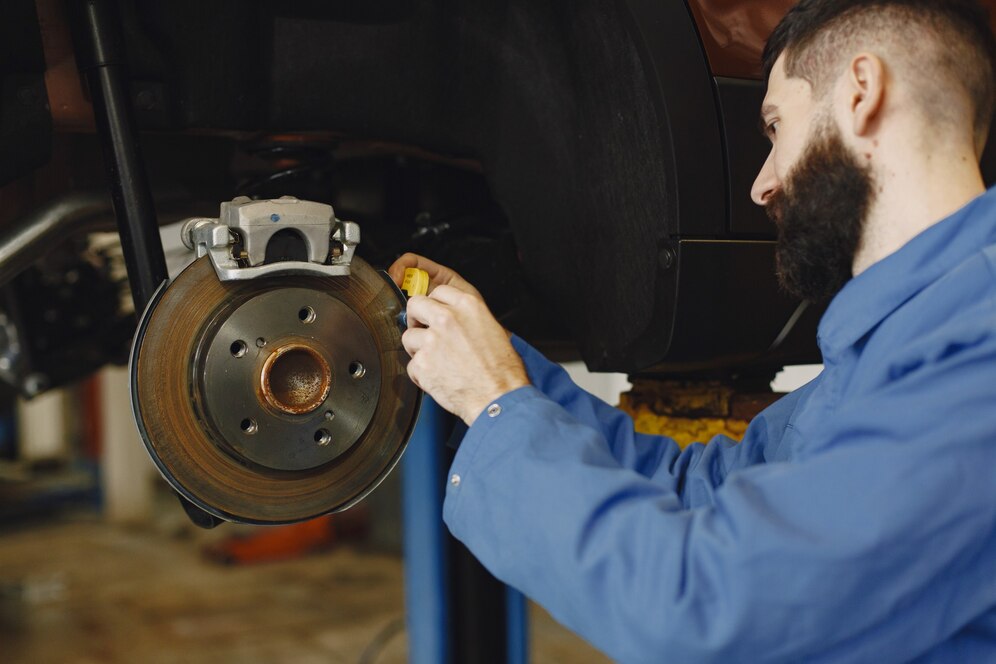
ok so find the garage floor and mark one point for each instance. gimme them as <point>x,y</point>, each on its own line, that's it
<point>80,591</point>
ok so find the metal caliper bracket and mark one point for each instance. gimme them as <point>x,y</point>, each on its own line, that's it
<point>236,241</point>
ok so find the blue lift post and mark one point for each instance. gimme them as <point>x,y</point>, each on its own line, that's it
<point>426,587</point>
<point>517,626</point>
<point>427,576</point>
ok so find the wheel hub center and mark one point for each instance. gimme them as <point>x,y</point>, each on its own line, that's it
<point>289,379</point>
<point>295,379</point>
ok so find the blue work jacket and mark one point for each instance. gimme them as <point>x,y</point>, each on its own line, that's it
<point>855,522</point>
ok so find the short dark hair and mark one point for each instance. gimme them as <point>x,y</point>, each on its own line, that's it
<point>964,51</point>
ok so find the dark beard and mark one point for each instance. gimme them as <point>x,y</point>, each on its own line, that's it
<point>820,213</point>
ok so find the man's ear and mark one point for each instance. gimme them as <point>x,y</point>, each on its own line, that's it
<point>866,91</point>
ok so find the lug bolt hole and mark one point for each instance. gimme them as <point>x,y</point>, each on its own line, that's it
<point>323,437</point>
<point>357,370</point>
<point>238,348</point>
<point>249,426</point>
<point>306,315</point>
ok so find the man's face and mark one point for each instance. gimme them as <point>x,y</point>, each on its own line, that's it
<point>813,187</point>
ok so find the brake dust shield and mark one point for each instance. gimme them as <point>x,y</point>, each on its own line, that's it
<point>273,400</point>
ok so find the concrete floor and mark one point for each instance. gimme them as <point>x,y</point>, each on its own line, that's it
<point>79,591</point>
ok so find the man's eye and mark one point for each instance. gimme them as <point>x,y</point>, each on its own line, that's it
<point>771,129</point>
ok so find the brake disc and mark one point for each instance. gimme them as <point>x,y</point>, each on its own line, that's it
<point>274,399</point>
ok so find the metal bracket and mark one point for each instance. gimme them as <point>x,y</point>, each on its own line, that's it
<point>236,241</point>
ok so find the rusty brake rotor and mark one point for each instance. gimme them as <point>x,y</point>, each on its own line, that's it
<point>274,399</point>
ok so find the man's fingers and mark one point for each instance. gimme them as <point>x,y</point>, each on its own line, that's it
<point>429,312</point>
<point>414,339</point>
<point>449,295</point>
<point>442,306</point>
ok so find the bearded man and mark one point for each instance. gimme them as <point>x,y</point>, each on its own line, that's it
<point>856,520</point>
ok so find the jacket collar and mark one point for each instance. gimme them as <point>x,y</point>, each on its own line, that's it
<point>868,299</point>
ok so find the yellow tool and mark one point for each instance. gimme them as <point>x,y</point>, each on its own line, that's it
<point>416,281</point>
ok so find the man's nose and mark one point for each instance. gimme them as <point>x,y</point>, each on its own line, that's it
<point>765,184</point>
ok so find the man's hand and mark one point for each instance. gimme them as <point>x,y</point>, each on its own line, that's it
<point>460,354</point>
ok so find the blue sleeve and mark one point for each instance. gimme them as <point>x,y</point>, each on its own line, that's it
<point>875,547</point>
<point>693,473</point>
